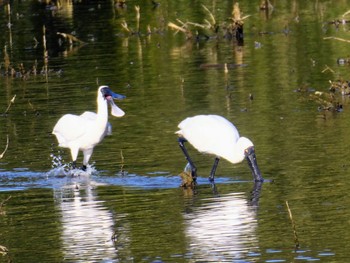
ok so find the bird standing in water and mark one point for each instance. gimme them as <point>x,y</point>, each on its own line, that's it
<point>215,135</point>
<point>83,132</point>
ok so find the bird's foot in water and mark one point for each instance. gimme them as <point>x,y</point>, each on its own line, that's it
<point>73,166</point>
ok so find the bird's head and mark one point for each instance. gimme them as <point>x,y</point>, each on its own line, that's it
<point>109,95</point>
<point>249,153</point>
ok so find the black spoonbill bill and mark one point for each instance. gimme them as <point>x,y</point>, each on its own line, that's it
<point>83,132</point>
<point>215,135</point>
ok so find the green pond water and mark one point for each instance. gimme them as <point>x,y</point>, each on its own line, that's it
<point>131,208</point>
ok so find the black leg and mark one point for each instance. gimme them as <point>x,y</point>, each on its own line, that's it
<point>183,148</point>
<point>74,164</point>
<point>212,173</point>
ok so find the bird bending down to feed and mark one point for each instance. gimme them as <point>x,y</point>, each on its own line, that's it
<point>215,135</point>
<point>83,132</point>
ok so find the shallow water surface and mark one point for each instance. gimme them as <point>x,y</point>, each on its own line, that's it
<point>128,206</point>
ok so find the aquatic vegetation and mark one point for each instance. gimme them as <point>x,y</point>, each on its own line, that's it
<point>327,101</point>
<point>230,30</point>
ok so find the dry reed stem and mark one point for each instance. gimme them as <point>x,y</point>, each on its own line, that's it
<point>346,13</point>
<point>213,21</point>
<point>12,101</point>
<point>137,9</point>
<point>125,26</point>
<point>6,59</point>
<point>6,147</point>
<point>45,55</point>
<point>296,240</point>
<point>197,25</point>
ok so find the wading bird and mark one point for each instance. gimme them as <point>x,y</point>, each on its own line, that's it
<point>215,135</point>
<point>83,132</point>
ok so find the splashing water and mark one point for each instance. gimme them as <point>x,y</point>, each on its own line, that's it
<point>62,169</point>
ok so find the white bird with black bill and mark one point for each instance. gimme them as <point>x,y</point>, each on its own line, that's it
<point>216,135</point>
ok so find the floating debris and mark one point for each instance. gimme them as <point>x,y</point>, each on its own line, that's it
<point>220,66</point>
<point>341,86</point>
<point>343,61</point>
<point>327,101</point>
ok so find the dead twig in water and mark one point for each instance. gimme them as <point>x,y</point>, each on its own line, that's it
<point>2,204</point>
<point>328,69</point>
<point>346,13</point>
<point>3,250</point>
<point>7,145</point>
<point>4,201</point>
<point>125,26</point>
<point>296,240</point>
<point>70,38</point>
<point>122,162</point>
<point>12,101</point>
<point>45,55</point>
<point>212,25</point>
<point>337,38</point>
<point>183,29</point>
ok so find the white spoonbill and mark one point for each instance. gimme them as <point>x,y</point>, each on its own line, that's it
<point>215,135</point>
<point>85,131</point>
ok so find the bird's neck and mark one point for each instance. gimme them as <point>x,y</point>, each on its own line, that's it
<point>235,153</point>
<point>102,110</point>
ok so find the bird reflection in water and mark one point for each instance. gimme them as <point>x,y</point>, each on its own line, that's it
<point>87,226</point>
<point>224,227</point>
